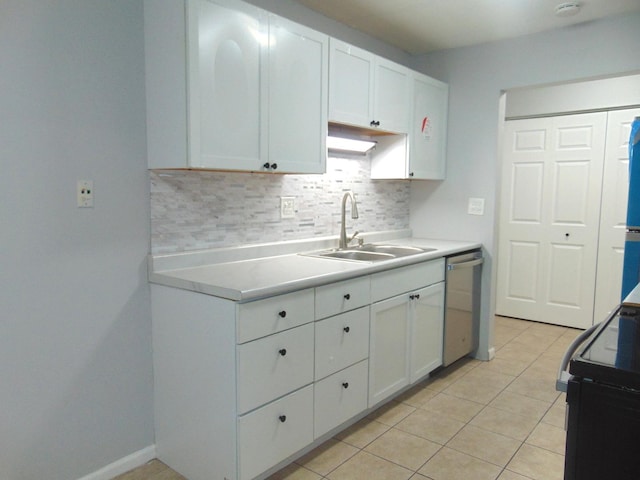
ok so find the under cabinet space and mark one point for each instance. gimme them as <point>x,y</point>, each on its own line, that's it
<point>274,366</point>
<point>275,314</point>
<point>342,296</point>
<point>341,341</point>
<point>270,434</point>
<point>339,397</point>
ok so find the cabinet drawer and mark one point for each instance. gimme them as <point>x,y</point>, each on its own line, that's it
<point>341,341</point>
<point>273,432</point>
<point>404,279</point>
<point>271,315</point>
<point>339,397</point>
<point>342,296</point>
<point>273,366</point>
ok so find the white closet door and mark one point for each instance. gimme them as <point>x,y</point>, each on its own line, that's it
<point>615,187</point>
<point>549,221</point>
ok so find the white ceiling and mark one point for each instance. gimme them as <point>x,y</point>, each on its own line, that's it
<point>421,26</point>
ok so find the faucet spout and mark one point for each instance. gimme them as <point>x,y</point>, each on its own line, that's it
<point>354,214</point>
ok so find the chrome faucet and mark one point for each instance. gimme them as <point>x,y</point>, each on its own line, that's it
<point>344,240</point>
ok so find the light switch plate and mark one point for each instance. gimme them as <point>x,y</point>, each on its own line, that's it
<point>476,206</point>
<point>287,207</point>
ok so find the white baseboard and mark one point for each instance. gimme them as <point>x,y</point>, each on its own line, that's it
<point>123,465</point>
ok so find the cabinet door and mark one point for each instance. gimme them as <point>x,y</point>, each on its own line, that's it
<point>350,84</point>
<point>226,45</point>
<point>388,352</point>
<point>391,96</point>
<point>297,112</point>
<point>428,129</point>
<point>427,318</point>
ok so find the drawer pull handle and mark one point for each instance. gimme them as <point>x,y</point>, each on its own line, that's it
<point>347,296</point>
<point>346,329</point>
<point>282,351</point>
<point>345,384</point>
<point>283,313</point>
<point>282,418</point>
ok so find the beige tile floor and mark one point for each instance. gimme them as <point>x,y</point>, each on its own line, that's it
<point>472,421</point>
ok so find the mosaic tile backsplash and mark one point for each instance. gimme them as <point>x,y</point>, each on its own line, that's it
<point>195,210</point>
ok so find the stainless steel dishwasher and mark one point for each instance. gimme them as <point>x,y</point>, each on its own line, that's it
<point>462,305</point>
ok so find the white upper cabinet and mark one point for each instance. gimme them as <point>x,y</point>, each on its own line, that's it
<point>428,131</point>
<point>226,47</point>
<point>297,112</point>
<point>256,88</point>
<point>425,157</point>
<point>366,90</point>
<point>350,84</point>
<point>391,96</point>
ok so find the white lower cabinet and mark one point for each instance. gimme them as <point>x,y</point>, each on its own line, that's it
<point>406,329</point>
<point>241,387</point>
<point>341,341</point>
<point>273,366</point>
<point>427,331</point>
<point>339,397</point>
<point>389,362</point>
<point>271,433</point>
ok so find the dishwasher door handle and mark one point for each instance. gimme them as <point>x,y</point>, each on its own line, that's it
<point>469,264</point>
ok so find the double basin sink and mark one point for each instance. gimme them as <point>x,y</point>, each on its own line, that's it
<point>370,252</point>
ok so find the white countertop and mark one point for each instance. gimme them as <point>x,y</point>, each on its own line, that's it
<point>230,275</point>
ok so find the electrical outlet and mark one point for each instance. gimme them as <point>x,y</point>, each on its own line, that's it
<point>287,207</point>
<point>85,193</point>
<point>476,206</point>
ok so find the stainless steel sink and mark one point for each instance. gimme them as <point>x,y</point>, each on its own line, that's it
<point>395,250</point>
<point>353,254</point>
<point>370,252</point>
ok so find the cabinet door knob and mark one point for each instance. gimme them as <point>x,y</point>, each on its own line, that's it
<point>375,123</point>
<point>417,295</point>
<point>566,235</point>
<point>266,165</point>
<point>347,296</point>
<point>283,313</point>
<point>282,418</point>
<point>346,329</point>
<point>414,296</point>
<point>345,384</point>
<point>411,174</point>
<point>274,166</point>
<point>282,351</point>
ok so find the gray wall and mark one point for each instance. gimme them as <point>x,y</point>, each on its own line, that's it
<point>75,328</point>
<point>477,76</point>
